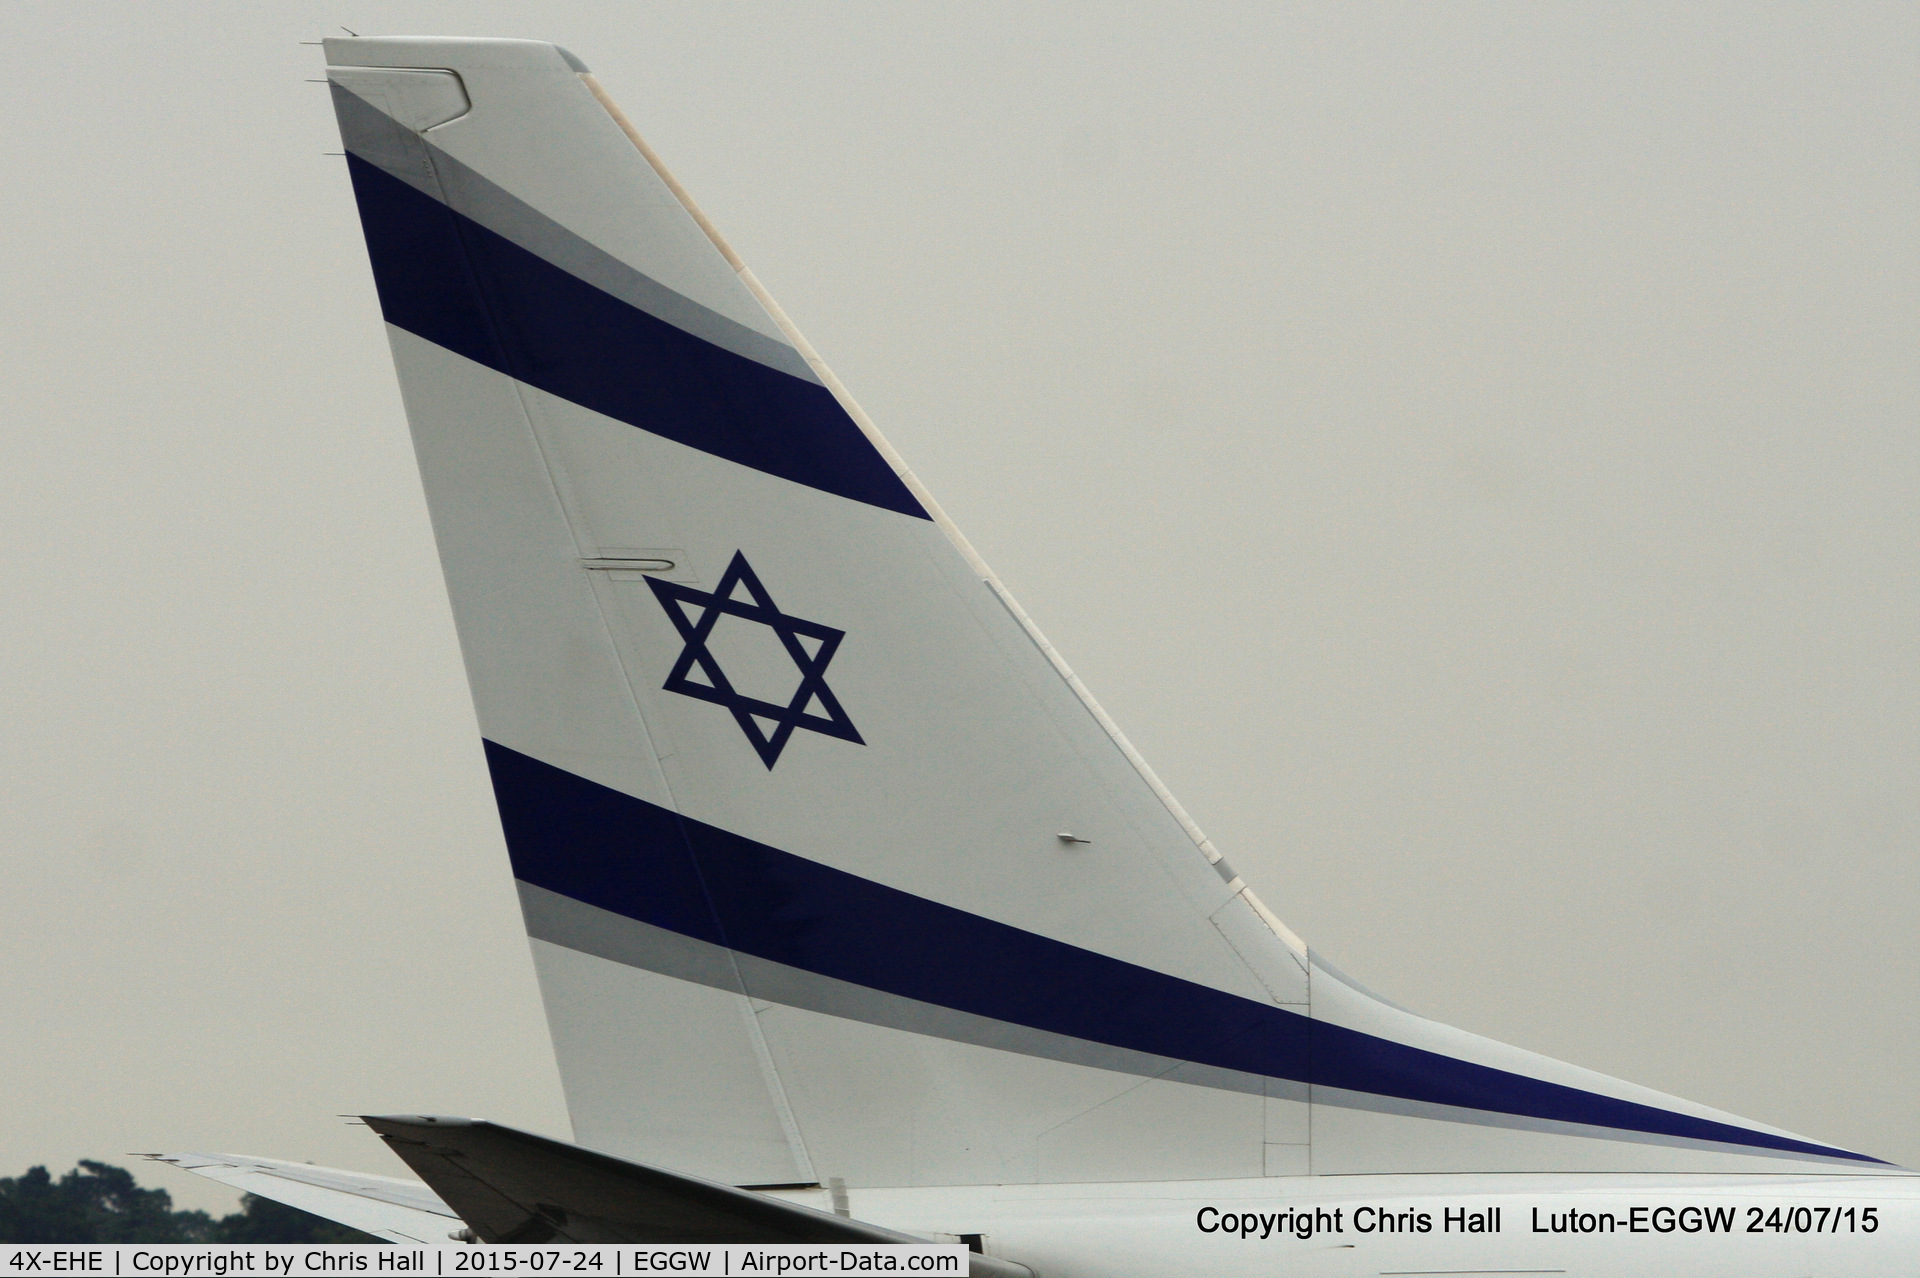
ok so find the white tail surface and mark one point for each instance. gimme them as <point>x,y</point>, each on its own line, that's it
<point>833,870</point>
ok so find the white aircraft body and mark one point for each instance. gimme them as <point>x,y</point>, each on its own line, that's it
<point>854,915</point>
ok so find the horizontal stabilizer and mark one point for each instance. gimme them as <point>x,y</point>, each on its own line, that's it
<point>512,1186</point>
<point>401,1211</point>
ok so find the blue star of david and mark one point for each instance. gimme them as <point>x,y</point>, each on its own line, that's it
<point>768,726</point>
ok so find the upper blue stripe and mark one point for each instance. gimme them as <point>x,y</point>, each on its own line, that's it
<point>634,858</point>
<point>446,278</point>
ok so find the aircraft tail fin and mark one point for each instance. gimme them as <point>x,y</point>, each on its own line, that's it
<point>832,868</point>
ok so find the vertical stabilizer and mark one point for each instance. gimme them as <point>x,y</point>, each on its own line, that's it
<point>833,871</point>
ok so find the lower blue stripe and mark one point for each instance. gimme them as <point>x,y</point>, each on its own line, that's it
<point>633,858</point>
<point>448,279</point>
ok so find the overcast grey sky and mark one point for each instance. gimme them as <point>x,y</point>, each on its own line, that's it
<point>1470,448</point>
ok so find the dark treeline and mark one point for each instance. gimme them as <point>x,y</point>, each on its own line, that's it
<point>99,1203</point>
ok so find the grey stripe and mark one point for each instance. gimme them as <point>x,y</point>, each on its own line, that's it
<point>375,137</point>
<point>564,921</point>
<point>1341,1098</point>
<point>383,142</point>
<point>1344,1099</point>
